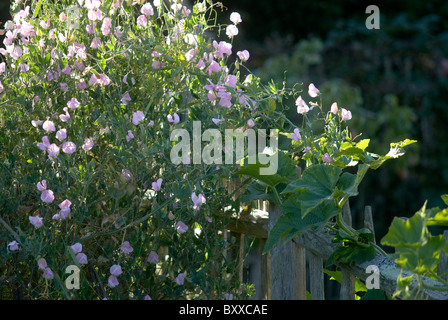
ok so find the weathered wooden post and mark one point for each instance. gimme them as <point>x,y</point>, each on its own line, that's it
<point>288,264</point>
<point>348,280</point>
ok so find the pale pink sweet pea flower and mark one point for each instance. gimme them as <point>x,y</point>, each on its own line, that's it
<point>126,174</point>
<point>94,15</point>
<point>53,150</point>
<point>47,196</point>
<point>153,257</point>
<point>156,185</point>
<point>45,144</point>
<point>88,144</point>
<point>334,108</point>
<point>91,28</point>
<point>77,248</point>
<point>296,135</point>
<point>250,123</point>
<point>66,116</point>
<point>48,274</point>
<point>345,114</point>
<point>129,136</point>
<point>48,126</point>
<point>231,81</point>
<point>126,247</point>
<point>147,297</point>
<point>73,103</point>
<point>105,27</point>
<point>313,91</point>
<point>93,79</point>
<point>235,17</point>
<point>243,55</point>
<point>96,43</point>
<point>81,258</point>
<point>190,54</point>
<point>302,107</point>
<point>231,31</point>
<point>213,67</point>
<point>137,117</point>
<point>218,120</point>
<point>104,80</point>
<point>198,200</point>
<point>42,185</point>
<point>118,32</point>
<point>61,134</point>
<point>112,281</point>
<point>142,21</point>
<point>156,54</point>
<point>62,16</point>
<point>65,208</point>
<point>181,227</point>
<point>228,296</point>
<point>67,70</point>
<point>201,64</point>
<point>173,118</point>
<point>125,98</point>
<point>16,53</point>
<point>13,245</point>
<point>326,158</point>
<point>68,147</point>
<point>45,24</point>
<point>147,9</point>
<point>156,65</point>
<point>81,85</point>
<point>42,263</point>
<point>36,221</point>
<point>180,279</point>
<point>115,270</point>
<point>222,48</point>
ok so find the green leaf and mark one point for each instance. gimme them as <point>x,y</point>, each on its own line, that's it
<point>396,150</point>
<point>286,170</point>
<point>404,233</point>
<point>257,191</point>
<point>445,198</point>
<point>351,253</point>
<point>439,219</point>
<point>316,185</point>
<point>363,144</point>
<point>416,250</point>
<point>291,222</point>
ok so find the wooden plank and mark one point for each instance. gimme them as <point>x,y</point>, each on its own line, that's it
<point>237,254</point>
<point>288,266</point>
<point>368,221</point>
<point>348,280</point>
<point>316,276</point>
<point>265,274</point>
<point>442,266</point>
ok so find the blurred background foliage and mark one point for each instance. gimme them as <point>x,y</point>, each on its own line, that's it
<point>394,80</point>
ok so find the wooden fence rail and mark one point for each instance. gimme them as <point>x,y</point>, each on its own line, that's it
<point>284,269</point>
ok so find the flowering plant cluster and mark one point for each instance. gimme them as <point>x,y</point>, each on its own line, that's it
<point>91,92</point>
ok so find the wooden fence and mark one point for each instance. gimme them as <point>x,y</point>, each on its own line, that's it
<point>286,268</point>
